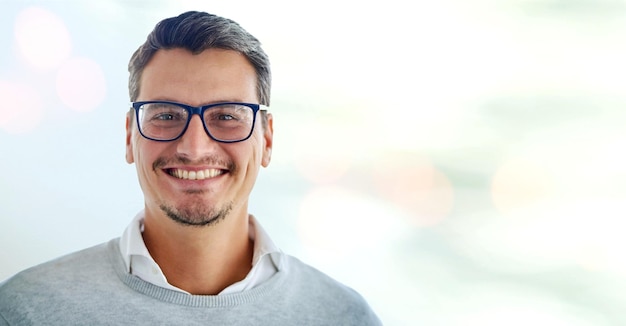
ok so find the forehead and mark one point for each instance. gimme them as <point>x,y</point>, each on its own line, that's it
<point>212,75</point>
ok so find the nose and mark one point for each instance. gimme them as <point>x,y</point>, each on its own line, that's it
<point>195,143</point>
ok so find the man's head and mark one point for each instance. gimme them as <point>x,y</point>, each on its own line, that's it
<point>196,32</point>
<point>198,60</point>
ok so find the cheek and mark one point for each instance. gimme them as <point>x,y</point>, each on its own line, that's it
<point>257,149</point>
<point>248,157</point>
<point>143,159</point>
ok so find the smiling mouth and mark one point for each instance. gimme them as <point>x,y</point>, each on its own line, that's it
<point>195,175</point>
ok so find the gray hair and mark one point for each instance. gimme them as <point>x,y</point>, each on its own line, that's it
<point>196,32</point>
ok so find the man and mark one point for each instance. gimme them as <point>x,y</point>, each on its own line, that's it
<point>198,135</point>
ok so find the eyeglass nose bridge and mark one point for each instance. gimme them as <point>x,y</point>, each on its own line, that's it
<point>193,110</point>
<point>196,110</point>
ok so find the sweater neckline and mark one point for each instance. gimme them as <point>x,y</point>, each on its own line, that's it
<point>175,297</point>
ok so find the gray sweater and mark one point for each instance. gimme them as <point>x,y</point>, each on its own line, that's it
<point>91,287</point>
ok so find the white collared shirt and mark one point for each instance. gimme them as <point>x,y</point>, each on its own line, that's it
<point>266,258</point>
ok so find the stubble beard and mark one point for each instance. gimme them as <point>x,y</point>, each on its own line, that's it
<point>198,215</point>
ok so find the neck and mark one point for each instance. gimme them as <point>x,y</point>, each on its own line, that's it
<point>200,260</point>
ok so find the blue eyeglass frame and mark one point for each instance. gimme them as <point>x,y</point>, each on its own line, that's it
<point>199,110</point>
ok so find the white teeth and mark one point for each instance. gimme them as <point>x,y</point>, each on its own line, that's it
<point>195,175</point>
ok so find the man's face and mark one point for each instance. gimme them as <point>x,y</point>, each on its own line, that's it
<point>229,170</point>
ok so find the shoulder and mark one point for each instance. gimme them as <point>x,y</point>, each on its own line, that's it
<point>312,277</point>
<point>80,262</point>
<point>321,290</point>
<point>73,273</point>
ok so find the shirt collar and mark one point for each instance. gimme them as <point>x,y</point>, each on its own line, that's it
<point>131,242</point>
<point>132,245</point>
<point>263,244</point>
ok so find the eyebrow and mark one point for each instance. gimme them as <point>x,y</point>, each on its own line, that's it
<point>167,99</point>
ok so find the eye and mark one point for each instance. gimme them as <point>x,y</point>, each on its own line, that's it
<point>228,113</point>
<point>166,116</point>
<point>163,112</point>
<point>226,117</point>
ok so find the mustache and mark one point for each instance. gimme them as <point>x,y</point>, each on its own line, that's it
<point>161,162</point>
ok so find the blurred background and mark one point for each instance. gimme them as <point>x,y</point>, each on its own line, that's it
<point>458,162</point>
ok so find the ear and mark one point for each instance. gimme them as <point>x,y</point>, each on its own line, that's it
<point>129,145</point>
<point>268,136</point>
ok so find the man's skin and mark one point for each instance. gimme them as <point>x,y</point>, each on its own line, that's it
<point>199,259</point>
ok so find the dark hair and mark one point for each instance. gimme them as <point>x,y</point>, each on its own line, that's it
<point>196,32</point>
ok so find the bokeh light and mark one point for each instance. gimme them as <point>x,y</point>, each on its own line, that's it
<point>334,222</point>
<point>322,152</point>
<point>21,110</point>
<point>489,305</point>
<point>42,38</point>
<point>81,84</point>
<point>414,184</point>
<point>518,183</point>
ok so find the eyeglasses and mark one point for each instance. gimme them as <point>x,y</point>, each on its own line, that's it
<point>228,122</point>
